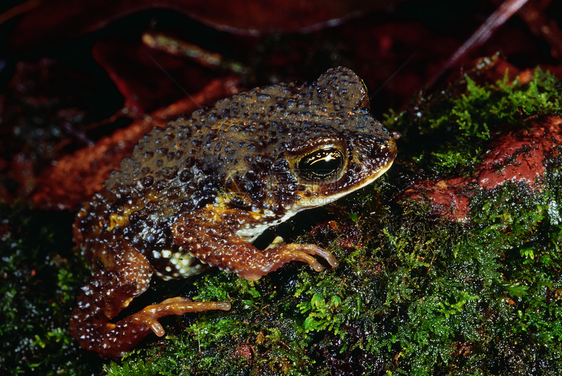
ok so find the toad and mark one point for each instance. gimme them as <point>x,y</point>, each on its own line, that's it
<point>199,192</point>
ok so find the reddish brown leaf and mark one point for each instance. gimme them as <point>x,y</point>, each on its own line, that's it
<point>63,19</point>
<point>149,79</point>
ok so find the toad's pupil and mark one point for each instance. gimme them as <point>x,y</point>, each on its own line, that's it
<point>321,164</point>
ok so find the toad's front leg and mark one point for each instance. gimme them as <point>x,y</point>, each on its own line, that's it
<point>210,235</point>
<point>122,277</point>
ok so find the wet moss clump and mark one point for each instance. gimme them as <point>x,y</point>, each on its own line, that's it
<point>416,292</point>
<point>40,279</point>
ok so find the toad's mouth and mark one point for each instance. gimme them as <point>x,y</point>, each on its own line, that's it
<point>319,199</point>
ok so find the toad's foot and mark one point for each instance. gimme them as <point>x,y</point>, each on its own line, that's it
<point>97,333</point>
<point>273,258</point>
<point>148,317</point>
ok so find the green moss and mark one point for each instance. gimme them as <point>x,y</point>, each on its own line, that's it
<point>39,286</point>
<point>481,109</point>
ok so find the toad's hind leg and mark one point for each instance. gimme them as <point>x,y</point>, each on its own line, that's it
<point>123,277</point>
<point>216,243</point>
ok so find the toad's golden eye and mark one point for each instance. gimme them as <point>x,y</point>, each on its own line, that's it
<point>322,165</point>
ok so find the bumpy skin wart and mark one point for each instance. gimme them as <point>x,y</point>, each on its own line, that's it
<point>201,190</point>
